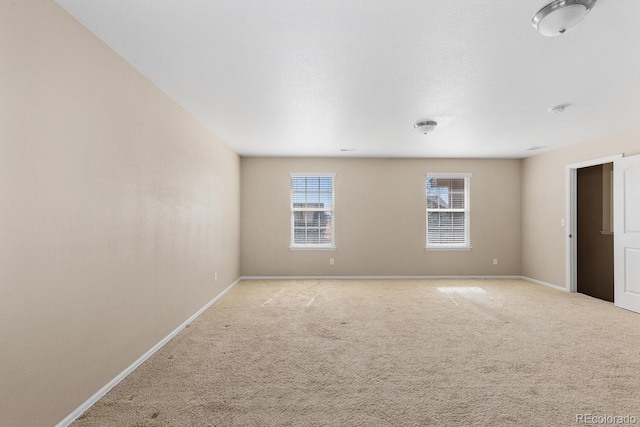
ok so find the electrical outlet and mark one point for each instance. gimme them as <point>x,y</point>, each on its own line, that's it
<point>215,276</point>
<point>331,261</point>
<point>495,261</point>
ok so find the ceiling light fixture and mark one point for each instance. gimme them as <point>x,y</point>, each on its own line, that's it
<point>560,16</point>
<point>426,126</point>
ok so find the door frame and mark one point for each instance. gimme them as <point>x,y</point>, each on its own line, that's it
<point>571,212</point>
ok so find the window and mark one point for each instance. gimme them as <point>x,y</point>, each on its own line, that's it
<point>312,212</point>
<point>448,211</point>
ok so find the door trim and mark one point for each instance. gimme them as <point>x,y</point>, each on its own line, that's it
<point>571,212</point>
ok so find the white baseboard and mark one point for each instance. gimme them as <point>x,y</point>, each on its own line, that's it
<point>540,282</point>
<point>374,277</point>
<point>528,279</point>
<point>122,375</point>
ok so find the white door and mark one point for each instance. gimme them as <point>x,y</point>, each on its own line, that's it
<point>626,237</point>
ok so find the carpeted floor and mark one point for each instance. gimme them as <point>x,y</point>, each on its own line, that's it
<point>388,353</point>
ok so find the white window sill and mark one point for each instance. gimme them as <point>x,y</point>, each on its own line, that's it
<point>448,248</point>
<point>312,248</point>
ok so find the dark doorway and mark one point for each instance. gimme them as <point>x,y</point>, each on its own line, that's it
<point>594,235</point>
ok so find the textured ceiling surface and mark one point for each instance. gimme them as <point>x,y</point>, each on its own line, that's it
<point>309,78</point>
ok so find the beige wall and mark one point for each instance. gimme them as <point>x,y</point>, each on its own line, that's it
<point>380,218</point>
<point>116,209</point>
<point>544,198</point>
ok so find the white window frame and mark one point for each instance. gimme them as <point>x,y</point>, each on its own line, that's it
<point>313,246</point>
<point>466,246</point>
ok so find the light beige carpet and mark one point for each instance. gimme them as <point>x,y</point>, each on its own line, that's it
<point>388,353</point>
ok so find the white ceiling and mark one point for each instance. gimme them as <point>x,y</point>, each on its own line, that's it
<point>307,78</point>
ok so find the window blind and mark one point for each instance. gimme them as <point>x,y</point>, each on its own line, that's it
<point>447,211</point>
<point>312,211</point>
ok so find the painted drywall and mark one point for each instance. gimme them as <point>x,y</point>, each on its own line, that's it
<point>116,210</point>
<point>544,199</point>
<point>380,218</point>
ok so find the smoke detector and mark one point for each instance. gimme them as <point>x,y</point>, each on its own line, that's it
<point>558,109</point>
<point>426,126</point>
